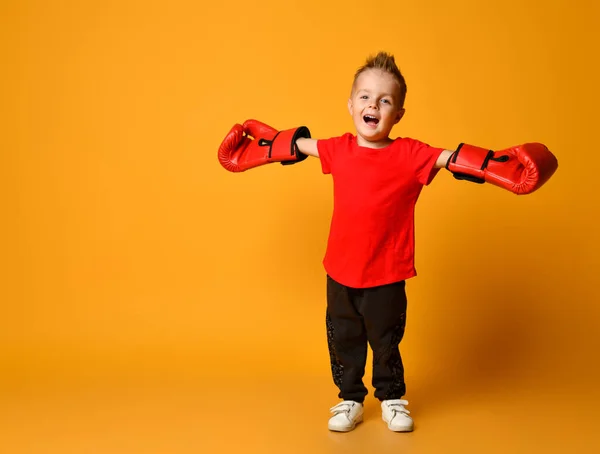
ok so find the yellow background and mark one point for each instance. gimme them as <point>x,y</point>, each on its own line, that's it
<point>132,260</point>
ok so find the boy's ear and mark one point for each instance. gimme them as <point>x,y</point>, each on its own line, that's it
<point>399,115</point>
<point>350,105</point>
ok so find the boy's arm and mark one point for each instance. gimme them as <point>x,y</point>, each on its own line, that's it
<point>443,159</point>
<point>308,147</point>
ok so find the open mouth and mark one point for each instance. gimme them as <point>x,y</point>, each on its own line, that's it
<point>370,120</point>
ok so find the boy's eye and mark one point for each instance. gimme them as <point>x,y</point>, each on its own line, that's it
<point>364,97</point>
<point>387,101</point>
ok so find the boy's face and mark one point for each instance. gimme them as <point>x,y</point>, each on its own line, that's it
<point>374,106</point>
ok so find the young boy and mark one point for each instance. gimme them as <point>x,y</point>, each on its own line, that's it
<point>370,250</point>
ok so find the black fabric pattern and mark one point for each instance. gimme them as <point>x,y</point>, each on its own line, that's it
<point>397,387</point>
<point>357,318</point>
<point>337,369</point>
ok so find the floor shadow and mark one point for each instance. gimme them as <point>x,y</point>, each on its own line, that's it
<point>490,347</point>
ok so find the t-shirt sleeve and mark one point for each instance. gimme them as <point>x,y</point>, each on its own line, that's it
<point>327,152</point>
<point>424,158</point>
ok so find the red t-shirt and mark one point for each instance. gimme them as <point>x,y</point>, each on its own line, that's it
<point>371,239</point>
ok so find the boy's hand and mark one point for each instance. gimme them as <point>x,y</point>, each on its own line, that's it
<point>255,144</point>
<point>521,169</point>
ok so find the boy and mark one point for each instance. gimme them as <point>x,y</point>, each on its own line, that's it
<point>370,249</point>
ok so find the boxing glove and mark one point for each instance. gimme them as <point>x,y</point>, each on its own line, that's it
<point>521,169</point>
<point>255,144</point>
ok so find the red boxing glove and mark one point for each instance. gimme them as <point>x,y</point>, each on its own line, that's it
<point>521,169</point>
<point>255,144</point>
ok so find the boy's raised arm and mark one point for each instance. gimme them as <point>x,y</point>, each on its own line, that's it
<point>308,147</point>
<point>443,159</point>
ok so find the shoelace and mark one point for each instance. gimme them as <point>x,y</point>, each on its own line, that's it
<point>397,406</point>
<point>342,407</point>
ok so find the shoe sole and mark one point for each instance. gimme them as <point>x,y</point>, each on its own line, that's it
<point>349,428</point>
<point>401,429</point>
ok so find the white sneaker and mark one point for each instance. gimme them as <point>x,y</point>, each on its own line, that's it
<point>346,415</point>
<point>396,416</point>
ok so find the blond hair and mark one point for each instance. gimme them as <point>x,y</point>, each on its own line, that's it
<point>384,62</point>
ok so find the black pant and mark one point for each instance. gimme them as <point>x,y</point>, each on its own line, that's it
<point>375,315</point>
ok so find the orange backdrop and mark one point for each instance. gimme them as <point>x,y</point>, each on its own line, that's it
<point>128,252</point>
